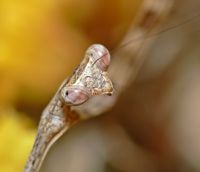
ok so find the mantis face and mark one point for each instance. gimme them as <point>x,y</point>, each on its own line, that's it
<point>90,78</point>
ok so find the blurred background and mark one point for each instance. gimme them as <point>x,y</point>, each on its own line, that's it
<point>154,123</point>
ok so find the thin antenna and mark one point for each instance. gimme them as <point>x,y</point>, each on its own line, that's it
<point>178,25</point>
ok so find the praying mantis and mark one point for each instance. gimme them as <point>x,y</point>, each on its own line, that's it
<point>89,79</point>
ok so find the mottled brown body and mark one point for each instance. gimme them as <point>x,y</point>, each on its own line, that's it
<point>89,79</point>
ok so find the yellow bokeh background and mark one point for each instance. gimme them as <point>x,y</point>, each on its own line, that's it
<point>41,42</point>
<point>17,137</point>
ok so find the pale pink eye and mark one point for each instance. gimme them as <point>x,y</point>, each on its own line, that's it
<point>74,96</point>
<point>101,56</point>
<point>103,62</point>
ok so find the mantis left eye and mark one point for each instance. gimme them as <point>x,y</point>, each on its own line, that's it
<point>100,55</point>
<point>74,96</point>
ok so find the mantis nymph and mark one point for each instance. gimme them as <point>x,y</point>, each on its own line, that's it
<point>89,79</point>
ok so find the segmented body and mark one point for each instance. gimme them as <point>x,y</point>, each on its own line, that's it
<point>89,79</point>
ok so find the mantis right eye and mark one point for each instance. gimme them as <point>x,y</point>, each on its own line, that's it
<point>74,96</point>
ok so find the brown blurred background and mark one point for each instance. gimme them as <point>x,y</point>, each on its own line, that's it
<point>154,123</point>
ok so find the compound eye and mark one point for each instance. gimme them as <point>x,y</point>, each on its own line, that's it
<point>74,96</point>
<point>104,61</point>
<point>101,56</point>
